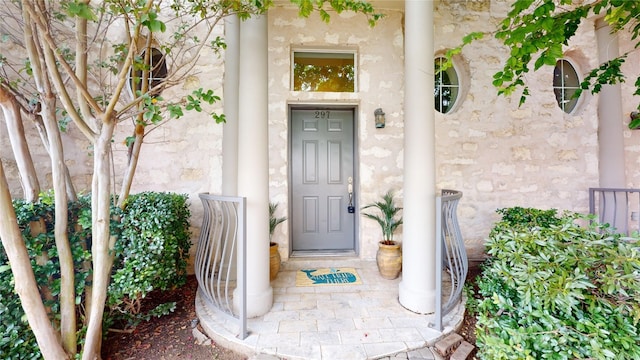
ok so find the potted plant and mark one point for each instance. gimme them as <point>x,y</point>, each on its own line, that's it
<point>274,254</point>
<point>389,256</point>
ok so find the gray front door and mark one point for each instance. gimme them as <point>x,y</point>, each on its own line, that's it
<point>322,176</point>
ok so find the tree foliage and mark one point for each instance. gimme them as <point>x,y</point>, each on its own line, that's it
<point>536,31</point>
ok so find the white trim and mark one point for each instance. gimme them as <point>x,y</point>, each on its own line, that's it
<point>580,100</point>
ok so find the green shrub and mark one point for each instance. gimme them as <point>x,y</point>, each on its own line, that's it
<point>151,253</point>
<point>553,289</point>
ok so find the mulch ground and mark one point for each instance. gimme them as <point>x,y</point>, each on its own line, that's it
<point>468,330</point>
<point>167,337</point>
<point>170,337</point>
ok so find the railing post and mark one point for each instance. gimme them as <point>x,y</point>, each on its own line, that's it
<point>439,241</point>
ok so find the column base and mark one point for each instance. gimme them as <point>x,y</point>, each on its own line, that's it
<point>416,300</point>
<point>258,304</point>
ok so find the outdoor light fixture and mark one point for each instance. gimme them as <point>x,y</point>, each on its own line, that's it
<point>379,114</point>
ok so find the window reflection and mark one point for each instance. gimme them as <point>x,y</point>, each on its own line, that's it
<point>446,88</point>
<point>316,71</point>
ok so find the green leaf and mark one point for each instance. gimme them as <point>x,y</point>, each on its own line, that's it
<point>82,10</point>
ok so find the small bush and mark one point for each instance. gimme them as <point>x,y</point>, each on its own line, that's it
<point>152,251</point>
<point>555,290</point>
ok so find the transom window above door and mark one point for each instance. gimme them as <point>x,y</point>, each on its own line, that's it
<point>330,71</point>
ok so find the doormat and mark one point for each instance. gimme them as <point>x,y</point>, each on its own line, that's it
<point>327,276</point>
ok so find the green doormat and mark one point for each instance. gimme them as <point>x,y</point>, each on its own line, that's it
<point>327,276</point>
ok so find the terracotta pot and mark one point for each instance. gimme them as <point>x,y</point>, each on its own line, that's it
<point>274,261</point>
<point>389,259</point>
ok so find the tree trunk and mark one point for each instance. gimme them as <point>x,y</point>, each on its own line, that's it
<point>13,119</point>
<point>67,275</point>
<point>25,282</point>
<point>39,124</point>
<point>103,242</point>
<point>133,163</point>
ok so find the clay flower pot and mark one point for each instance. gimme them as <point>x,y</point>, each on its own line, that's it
<point>389,260</point>
<point>274,261</point>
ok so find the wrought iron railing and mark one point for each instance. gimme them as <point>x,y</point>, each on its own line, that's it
<point>619,208</point>
<point>220,263</point>
<point>451,255</point>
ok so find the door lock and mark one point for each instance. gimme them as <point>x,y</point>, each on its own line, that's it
<point>350,208</point>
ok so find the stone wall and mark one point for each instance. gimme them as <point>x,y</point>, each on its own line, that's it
<point>497,153</point>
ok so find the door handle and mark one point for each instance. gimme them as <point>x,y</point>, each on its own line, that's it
<point>350,208</point>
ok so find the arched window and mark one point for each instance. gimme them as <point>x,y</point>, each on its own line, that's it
<point>447,86</point>
<point>565,84</point>
<point>157,68</point>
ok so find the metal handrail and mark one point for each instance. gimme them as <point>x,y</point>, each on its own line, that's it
<point>617,207</point>
<point>220,262</point>
<point>451,255</point>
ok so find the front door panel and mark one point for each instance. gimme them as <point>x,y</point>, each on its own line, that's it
<point>321,168</point>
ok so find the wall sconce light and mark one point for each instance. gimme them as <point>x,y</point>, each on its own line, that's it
<point>379,114</point>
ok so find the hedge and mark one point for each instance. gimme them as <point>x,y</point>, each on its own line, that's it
<point>558,287</point>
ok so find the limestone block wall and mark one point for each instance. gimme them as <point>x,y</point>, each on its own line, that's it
<point>380,84</point>
<point>501,154</point>
<point>498,153</point>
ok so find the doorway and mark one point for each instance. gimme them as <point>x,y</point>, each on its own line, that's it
<point>323,206</point>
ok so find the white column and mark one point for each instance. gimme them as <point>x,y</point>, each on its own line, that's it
<point>253,160</point>
<point>610,122</point>
<point>610,131</point>
<point>230,98</point>
<point>417,289</point>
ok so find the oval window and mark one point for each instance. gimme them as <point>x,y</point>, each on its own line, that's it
<point>447,86</point>
<point>157,72</point>
<point>565,84</point>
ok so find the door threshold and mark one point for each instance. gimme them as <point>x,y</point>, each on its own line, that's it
<point>322,253</point>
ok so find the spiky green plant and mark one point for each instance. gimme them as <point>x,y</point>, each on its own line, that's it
<point>273,220</point>
<point>388,218</point>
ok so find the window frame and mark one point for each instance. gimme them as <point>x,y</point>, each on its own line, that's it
<point>563,88</point>
<point>459,85</point>
<point>155,51</point>
<point>295,50</point>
